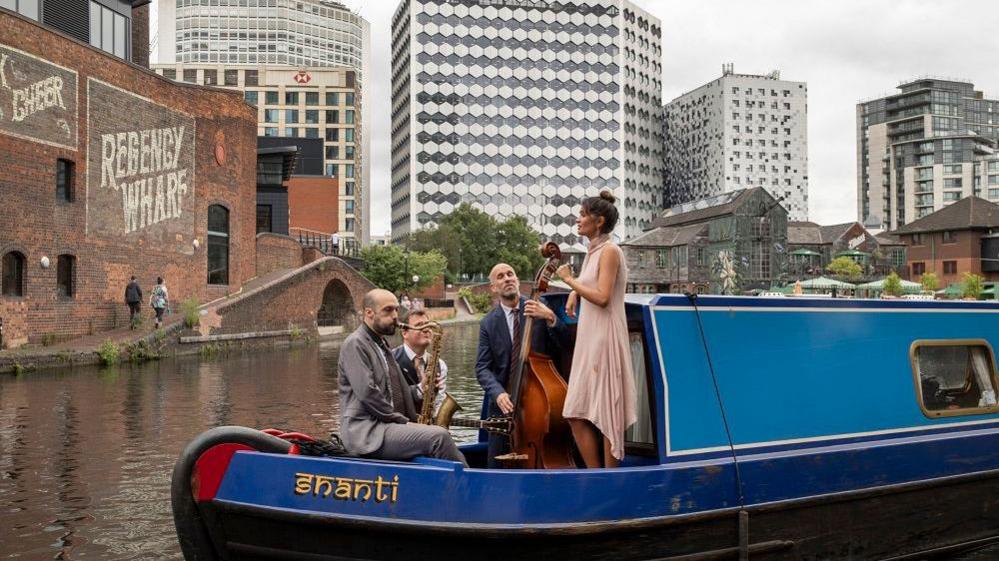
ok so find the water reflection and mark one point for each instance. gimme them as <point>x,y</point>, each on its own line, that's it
<point>86,456</point>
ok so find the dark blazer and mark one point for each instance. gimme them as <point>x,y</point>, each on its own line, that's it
<point>492,364</point>
<point>408,369</point>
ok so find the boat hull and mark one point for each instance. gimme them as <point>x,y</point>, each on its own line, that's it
<point>912,521</point>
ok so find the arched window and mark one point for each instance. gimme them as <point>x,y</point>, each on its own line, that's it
<point>66,275</point>
<point>218,245</point>
<point>13,274</point>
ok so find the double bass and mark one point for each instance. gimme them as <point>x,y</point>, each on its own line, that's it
<point>540,438</point>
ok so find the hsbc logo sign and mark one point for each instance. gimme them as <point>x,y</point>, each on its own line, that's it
<point>303,77</point>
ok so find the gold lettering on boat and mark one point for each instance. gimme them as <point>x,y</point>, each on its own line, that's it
<point>348,488</point>
<point>303,483</point>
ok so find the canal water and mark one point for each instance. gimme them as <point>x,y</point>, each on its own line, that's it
<point>86,454</point>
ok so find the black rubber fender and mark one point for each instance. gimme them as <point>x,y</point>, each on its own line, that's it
<point>191,523</point>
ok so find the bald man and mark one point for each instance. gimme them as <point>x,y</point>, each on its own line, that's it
<point>377,406</point>
<point>497,344</point>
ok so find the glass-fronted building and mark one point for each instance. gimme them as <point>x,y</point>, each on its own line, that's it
<point>301,62</point>
<point>264,32</point>
<point>930,145</point>
<point>105,24</point>
<point>321,103</point>
<point>525,108</point>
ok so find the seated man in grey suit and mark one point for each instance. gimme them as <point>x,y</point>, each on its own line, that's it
<point>376,403</point>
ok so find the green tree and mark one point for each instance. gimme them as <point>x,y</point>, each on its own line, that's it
<point>473,241</point>
<point>386,266</point>
<point>893,285</point>
<point>844,267</point>
<point>929,281</point>
<point>518,246</point>
<point>972,285</point>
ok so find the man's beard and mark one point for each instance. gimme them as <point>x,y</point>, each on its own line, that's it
<point>511,293</point>
<point>385,329</point>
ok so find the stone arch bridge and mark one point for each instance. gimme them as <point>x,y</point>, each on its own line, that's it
<point>324,293</point>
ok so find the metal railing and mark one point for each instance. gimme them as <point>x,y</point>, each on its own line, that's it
<point>323,241</point>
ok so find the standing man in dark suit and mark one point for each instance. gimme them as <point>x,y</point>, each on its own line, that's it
<point>499,346</point>
<point>376,403</point>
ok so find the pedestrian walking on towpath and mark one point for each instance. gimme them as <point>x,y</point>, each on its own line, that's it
<point>133,297</point>
<point>159,299</point>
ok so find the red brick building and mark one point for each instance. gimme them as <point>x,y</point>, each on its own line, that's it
<point>960,238</point>
<point>108,170</point>
<point>314,203</point>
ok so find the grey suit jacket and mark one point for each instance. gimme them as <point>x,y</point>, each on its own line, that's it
<point>365,396</point>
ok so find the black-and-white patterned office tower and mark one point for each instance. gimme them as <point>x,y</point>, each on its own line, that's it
<point>525,108</point>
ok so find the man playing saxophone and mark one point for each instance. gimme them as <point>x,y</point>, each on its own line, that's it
<point>412,357</point>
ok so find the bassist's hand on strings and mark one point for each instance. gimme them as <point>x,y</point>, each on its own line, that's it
<point>538,310</point>
<point>505,403</point>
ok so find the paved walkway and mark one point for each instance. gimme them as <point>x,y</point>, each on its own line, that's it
<point>124,336</point>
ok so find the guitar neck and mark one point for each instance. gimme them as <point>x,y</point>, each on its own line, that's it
<point>468,423</point>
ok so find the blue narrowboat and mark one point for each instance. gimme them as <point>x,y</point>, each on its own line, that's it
<point>769,428</point>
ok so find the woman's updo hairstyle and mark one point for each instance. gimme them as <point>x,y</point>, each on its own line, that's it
<point>602,205</point>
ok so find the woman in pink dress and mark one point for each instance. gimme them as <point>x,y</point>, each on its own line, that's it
<point>600,403</point>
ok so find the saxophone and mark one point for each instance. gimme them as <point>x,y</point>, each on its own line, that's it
<point>431,377</point>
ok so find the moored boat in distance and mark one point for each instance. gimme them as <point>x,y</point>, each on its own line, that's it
<point>773,428</point>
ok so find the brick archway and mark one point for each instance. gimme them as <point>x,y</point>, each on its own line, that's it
<point>298,298</point>
<point>337,308</point>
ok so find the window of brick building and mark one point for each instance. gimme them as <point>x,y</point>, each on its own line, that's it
<point>264,218</point>
<point>950,267</point>
<point>65,175</point>
<point>66,275</point>
<point>918,269</point>
<point>218,245</point>
<point>949,237</point>
<point>13,274</point>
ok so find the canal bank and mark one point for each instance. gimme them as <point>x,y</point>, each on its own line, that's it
<point>172,340</point>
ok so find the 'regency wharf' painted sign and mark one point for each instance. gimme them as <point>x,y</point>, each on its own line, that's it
<point>140,161</point>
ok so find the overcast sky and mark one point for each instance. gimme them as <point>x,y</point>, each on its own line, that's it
<point>846,50</point>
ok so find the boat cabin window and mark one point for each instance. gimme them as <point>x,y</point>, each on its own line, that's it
<point>955,377</point>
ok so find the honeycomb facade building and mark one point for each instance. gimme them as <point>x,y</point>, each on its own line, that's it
<point>524,109</point>
<point>736,132</point>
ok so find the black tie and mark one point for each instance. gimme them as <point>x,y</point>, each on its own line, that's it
<point>515,351</point>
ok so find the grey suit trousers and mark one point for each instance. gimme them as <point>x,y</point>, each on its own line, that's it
<point>407,441</point>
